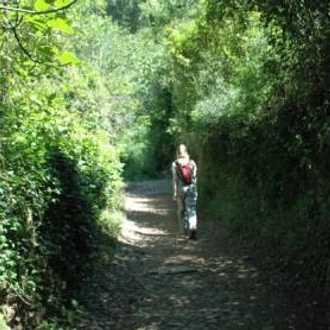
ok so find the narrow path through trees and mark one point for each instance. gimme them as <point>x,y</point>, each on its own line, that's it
<point>159,280</point>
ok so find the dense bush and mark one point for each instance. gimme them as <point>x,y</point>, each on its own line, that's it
<point>60,175</point>
<point>56,181</point>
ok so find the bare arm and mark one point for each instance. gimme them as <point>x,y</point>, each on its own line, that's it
<point>174,182</point>
<point>194,170</point>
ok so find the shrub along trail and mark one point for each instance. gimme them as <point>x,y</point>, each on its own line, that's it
<point>161,280</point>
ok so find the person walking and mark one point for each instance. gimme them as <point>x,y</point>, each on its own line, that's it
<point>184,174</point>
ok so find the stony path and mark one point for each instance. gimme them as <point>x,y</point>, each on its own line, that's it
<point>159,280</point>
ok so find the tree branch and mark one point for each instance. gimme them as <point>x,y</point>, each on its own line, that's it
<point>25,51</point>
<point>35,12</point>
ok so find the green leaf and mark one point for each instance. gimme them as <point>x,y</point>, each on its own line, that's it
<point>37,23</point>
<point>47,51</point>
<point>41,5</point>
<point>62,3</point>
<point>60,24</point>
<point>68,58</point>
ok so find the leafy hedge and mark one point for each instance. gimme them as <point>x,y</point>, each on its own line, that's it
<point>57,177</point>
<point>60,166</point>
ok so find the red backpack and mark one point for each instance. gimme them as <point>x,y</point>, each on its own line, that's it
<point>185,172</point>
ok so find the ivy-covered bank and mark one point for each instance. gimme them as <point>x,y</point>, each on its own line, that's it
<point>60,167</point>
<point>60,180</point>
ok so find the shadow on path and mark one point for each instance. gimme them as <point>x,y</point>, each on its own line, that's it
<point>160,280</point>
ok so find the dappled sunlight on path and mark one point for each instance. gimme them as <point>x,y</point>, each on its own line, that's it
<point>164,281</point>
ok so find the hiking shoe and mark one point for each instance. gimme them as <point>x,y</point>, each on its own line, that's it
<point>193,234</point>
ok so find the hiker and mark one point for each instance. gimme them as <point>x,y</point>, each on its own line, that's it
<point>184,173</point>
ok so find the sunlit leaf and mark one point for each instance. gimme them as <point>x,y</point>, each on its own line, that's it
<point>37,23</point>
<point>60,24</point>
<point>68,58</point>
<point>41,5</point>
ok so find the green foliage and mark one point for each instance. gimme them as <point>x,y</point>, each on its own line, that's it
<point>250,95</point>
<point>140,105</point>
<point>59,172</point>
<point>3,324</point>
<point>37,31</point>
<point>125,12</point>
<point>68,320</point>
<point>57,179</point>
<point>244,84</point>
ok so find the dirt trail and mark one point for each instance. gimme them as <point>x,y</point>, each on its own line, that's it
<point>159,280</point>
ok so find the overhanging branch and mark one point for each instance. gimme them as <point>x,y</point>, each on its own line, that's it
<point>35,12</point>
<point>25,51</point>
